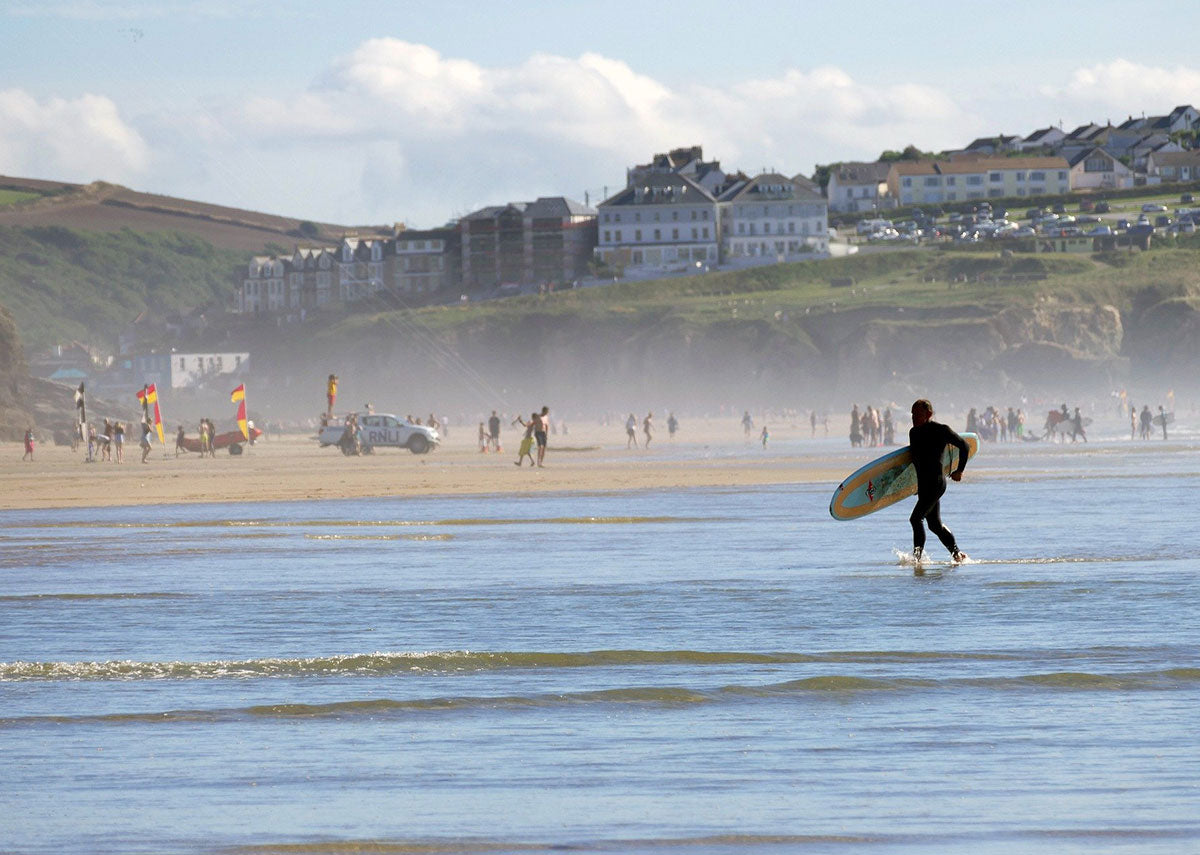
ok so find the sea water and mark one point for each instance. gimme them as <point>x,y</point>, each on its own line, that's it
<point>695,671</point>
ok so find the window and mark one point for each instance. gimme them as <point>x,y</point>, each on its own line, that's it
<point>791,227</point>
<point>693,215</point>
<point>996,177</point>
<point>695,234</point>
<point>1062,176</point>
<point>951,180</point>
<point>906,182</point>
<point>741,228</point>
<point>675,234</point>
<point>1037,176</point>
<point>931,181</point>
<point>674,215</point>
<point>1020,176</point>
<point>658,234</point>
<point>706,232</point>
<point>618,233</point>
<point>637,216</point>
<point>607,237</point>
<point>637,235</point>
<point>974,180</point>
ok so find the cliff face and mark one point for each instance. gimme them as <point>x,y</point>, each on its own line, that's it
<point>14,417</point>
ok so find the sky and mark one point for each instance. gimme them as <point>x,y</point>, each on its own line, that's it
<point>367,112</point>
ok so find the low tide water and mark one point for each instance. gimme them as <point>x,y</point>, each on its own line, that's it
<point>693,671</point>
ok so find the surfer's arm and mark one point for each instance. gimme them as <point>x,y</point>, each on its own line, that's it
<point>964,451</point>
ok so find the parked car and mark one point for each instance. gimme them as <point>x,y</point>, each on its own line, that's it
<point>384,429</point>
<point>1100,231</point>
<point>1162,221</point>
<point>1102,207</point>
<point>1060,208</point>
<point>1122,224</point>
<point>1153,208</point>
<point>1087,218</point>
<point>1187,198</point>
<point>1025,232</point>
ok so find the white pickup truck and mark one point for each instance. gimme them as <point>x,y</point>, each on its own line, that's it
<point>383,430</point>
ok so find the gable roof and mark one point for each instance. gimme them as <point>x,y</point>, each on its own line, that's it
<point>1084,154</point>
<point>1042,133</point>
<point>558,206</point>
<point>983,164</point>
<point>1176,158</point>
<point>663,189</point>
<point>861,173</point>
<point>772,186</point>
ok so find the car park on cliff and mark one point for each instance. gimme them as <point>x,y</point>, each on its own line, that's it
<point>383,430</point>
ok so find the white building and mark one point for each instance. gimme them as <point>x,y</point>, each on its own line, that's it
<point>665,222</point>
<point>263,286</point>
<point>772,218</point>
<point>857,187</point>
<point>1097,169</point>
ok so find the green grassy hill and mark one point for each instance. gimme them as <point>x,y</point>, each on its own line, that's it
<point>65,284</point>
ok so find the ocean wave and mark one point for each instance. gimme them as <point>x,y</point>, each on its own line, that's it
<point>462,521</point>
<point>829,685</point>
<point>388,663</point>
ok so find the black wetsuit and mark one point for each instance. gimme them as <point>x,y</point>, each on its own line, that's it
<point>927,444</point>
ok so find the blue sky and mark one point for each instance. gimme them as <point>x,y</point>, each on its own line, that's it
<point>371,112</point>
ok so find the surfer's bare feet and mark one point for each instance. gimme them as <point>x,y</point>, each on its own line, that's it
<point>958,556</point>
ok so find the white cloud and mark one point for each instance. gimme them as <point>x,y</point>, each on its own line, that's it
<point>1125,87</point>
<point>397,131</point>
<point>80,139</point>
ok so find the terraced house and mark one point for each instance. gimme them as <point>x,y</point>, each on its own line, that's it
<point>663,222</point>
<point>938,181</point>
<point>772,218</point>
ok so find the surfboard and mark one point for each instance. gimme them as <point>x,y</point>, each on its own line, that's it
<point>1158,420</point>
<point>887,480</point>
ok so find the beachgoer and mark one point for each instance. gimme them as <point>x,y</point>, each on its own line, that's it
<point>1145,419</point>
<point>812,420</point>
<point>541,430</point>
<point>648,428</point>
<point>855,427</point>
<point>91,443</point>
<point>28,455</point>
<point>1133,423</point>
<point>179,441</point>
<point>526,447</point>
<point>119,441</point>
<point>747,423</point>
<point>1162,415</point>
<point>1077,426</point>
<point>764,436</point>
<point>494,432</point>
<point>928,440</point>
<point>889,428</point>
<point>672,425</point>
<point>631,431</point>
<point>330,394</point>
<point>484,440</point>
<point>145,440</point>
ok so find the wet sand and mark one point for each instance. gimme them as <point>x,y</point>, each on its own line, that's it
<point>591,458</point>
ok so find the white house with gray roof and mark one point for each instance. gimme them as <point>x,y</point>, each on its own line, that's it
<point>664,222</point>
<point>857,187</point>
<point>772,218</point>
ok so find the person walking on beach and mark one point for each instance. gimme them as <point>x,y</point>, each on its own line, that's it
<point>928,440</point>
<point>764,436</point>
<point>672,425</point>
<point>648,429</point>
<point>747,424</point>
<point>494,432</point>
<point>330,394</point>
<point>28,455</point>
<point>541,433</point>
<point>179,441</point>
<point>119,441</point>
<point>1162,416</point>
<point>1077,426</point>
<point>525,449</point>
<point>145,440</point>
<point>1145,419</point>
<point>631,431</point>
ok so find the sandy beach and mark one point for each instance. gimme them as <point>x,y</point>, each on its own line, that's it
<point>592,458</point>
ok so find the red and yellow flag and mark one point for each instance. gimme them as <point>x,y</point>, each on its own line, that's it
<point>148,395</point>
<point>239,397</point>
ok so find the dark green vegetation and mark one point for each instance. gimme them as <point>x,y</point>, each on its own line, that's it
<point>64,284</point>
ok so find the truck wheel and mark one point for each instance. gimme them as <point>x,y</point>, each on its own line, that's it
<point>418,444</point>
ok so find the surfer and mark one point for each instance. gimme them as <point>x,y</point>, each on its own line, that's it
<point>927,441</point>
